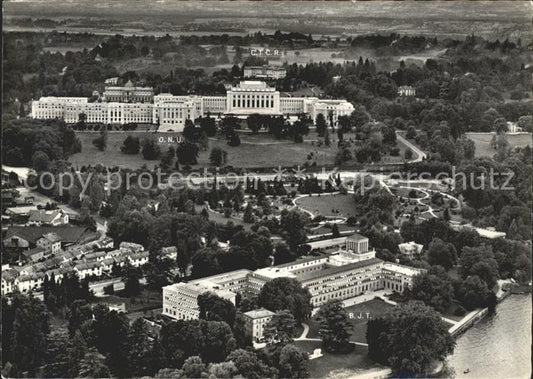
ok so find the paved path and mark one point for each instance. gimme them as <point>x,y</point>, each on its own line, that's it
<point>304,332</point>
<point>420,154</point>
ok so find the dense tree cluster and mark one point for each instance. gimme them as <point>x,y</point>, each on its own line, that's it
<point>22,139</point>
<point>286,293</point>
<point>409,339</point>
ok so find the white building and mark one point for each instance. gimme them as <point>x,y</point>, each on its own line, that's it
<point>180,299</point>
<point>52,217</point>
<point>129,94</point>
<point>255,322</point>
<point>410,248</point>
<point>406,91</point>
<point>54,107</point>
<point>264,72</point>
<point>342,275</point>
<point>111,81</point>
<point>252,96</point>
<point>125,105</point>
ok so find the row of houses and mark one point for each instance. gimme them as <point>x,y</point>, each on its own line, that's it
<point>89,260</point>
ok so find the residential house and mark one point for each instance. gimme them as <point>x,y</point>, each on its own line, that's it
<point>50,242</point>
<point>135,247</point>
<point>138,259</point>
<point>95,256</point>
<point>87,269</point>
<point>27,283</point>
<point>410,248</point>
<point>27,236</point>
<point>8,281</point>
<point>54,217</point>
<point>35,254</point>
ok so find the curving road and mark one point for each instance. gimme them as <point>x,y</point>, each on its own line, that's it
<point>420,154</point>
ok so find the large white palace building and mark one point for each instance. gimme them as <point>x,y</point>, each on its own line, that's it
<point>345,274</point>
<point>129,104</point>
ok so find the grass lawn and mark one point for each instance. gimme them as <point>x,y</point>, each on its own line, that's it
<point>482,142</point>
<point>404,192</point>
<point>262,150</point>
<point>255,151</point>
<point>337,365</point>
<point>359,315</point>
<point>112,156</point>
<point>326,204</point>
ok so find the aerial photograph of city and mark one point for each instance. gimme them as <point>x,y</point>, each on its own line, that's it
<point>266,189</point>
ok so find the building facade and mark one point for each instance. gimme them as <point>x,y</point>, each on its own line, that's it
<point>50,242</point>
<point>129,94</point>
<point>406,91</point>
<point>255,322</point>
<point>180,299</point>
<point>342,275</point>
<point>264,72</point>
<point>124,105</point>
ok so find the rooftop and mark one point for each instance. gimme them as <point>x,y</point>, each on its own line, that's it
<point>52,237</point>
<point>252,85</point>
<point>357,237</point>
<point>44,216</point>
<point>224,277</point>
<point>331,270</point>
<point>401,269</point>
<point>259,313</point>
<point>67,233</point>
<point>267,67</point>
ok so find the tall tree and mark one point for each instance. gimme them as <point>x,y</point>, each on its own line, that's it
<point>286,293</point>
<point>335,327</point>
<point>442,253</point>
<point>320,123</point>
<point>144,356</point>
<point>215,308</point>
<point>93,365</point>
<point>293,363</point>
<point>433,287</point>
<point>29,329</point>
<point>131,278</point>
<point>249,365</point>
<point>280,329</point>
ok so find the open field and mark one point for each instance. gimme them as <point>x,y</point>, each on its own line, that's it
<point>443,19</point>
<point>482,141</point>
<point>359,316</point>
<point>325,205</point>
<point>112,156</point>
<point>283,154</point>
<point>255,151</point>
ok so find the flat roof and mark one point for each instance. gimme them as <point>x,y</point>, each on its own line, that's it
<point>237,274</point>
<point>259,313</point>
<point>299,261</point>
<point>401,269</point>
<point>356,237</point>
<point>331,270</point>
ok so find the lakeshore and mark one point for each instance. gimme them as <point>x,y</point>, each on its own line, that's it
<point>497,346</point>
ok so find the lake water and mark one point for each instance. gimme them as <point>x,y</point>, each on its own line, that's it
<point>499,346</point>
